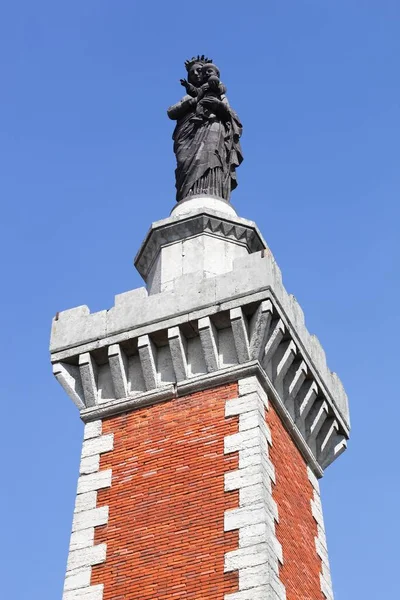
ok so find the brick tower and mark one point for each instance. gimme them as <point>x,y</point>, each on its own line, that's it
<point>210,414</point>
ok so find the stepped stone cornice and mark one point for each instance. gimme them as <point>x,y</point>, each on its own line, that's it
<point>202,221</point>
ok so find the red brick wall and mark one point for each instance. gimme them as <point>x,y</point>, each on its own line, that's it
<point>165,536</point>
<point>297,527</point>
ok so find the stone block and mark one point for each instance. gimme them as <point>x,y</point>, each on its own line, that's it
<point>76,326</point>
<point>249,556</point>
<point>98,445</point>
<point>128,312</point>
<point>242,405</point>
<point>178,349</point>
<point>90,518</point>
<point>90,464</point>
<point>209,341</point>
<point>250,457</point>
<point>93,592</point>
<point>251,385</point>
<point>148,360</point>
<point>242,440</point>
<point>88,371</point>
<point>256,576</point>
<point>240,517</point>
<point>243,477</point>
<point>256,493</point>
<point>95,481</point>
<point>263,592</point>
<point>251,535</point>
<point>69,378</point>
<point>92,430</point>
<point>78,578</point>
<point>240,334</point>
<point>85,501</point>
<point>86,557</point>
<point>259,328</point>
<point>81,539</point>
<point>251,419</point>
<point>119,370</point>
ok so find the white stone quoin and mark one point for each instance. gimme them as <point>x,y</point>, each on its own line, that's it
<point>259,553</point>
<point>214,311</point>
<point>83,553</point>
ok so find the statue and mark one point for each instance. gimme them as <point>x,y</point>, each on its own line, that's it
<point>206,136</point>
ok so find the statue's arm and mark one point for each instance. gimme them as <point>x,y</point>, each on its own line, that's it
<point>179,110</point>
<point>220,107</point>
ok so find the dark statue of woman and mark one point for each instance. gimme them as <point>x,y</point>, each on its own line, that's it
<point>206,136</point>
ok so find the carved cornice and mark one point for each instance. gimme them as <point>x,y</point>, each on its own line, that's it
<point>230,229</point>
<point>165,363</point>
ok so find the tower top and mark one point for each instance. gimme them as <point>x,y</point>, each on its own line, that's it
<point>212,284</point>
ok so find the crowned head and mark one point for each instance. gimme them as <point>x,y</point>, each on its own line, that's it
<point>194,67</point>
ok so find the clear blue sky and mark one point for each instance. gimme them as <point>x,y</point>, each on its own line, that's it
<point>86,165</point>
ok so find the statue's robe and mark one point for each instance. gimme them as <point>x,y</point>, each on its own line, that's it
<point>207,152</point>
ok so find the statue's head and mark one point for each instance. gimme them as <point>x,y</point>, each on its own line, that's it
<point>194,67</point>
<point>209,70</point>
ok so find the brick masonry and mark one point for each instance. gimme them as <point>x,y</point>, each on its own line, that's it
<point>165,532</point>
<point>204,496</point>
<point>297,529</point>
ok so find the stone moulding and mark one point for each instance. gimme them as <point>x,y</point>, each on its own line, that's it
<point>250,335</point>
<point>167,231</point>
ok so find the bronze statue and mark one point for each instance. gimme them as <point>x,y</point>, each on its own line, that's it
<point>206,136</point>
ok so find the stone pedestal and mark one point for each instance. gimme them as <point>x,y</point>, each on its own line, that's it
<point>202,236</point>
<point>206,385</point>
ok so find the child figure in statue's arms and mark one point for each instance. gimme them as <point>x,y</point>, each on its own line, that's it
<point>211,87</point>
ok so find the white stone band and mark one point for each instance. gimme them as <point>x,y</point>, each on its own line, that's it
<point>320,540</point>
<point>259,554</point>
<point>83,553</point>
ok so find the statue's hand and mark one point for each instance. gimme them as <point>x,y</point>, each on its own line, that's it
<point>200,93</point>
<point>212,104</point>
<point>184,83</point>
<point>217,107</point>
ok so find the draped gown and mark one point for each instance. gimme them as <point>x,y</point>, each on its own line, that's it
<point>207,150</point>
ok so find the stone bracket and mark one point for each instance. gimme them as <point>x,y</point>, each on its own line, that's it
<point>240,334</point>
<point>68,377</point>
<point>209,341</point>
<point>88,371</point>
<point>147,354</point>
<point>259,328</point>
<point>119,368</point>
<point>178,347</point>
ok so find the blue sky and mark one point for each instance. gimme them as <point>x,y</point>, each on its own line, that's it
<point>86,165</point>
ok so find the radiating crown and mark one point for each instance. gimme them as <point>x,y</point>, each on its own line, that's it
<point>197,59</point>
